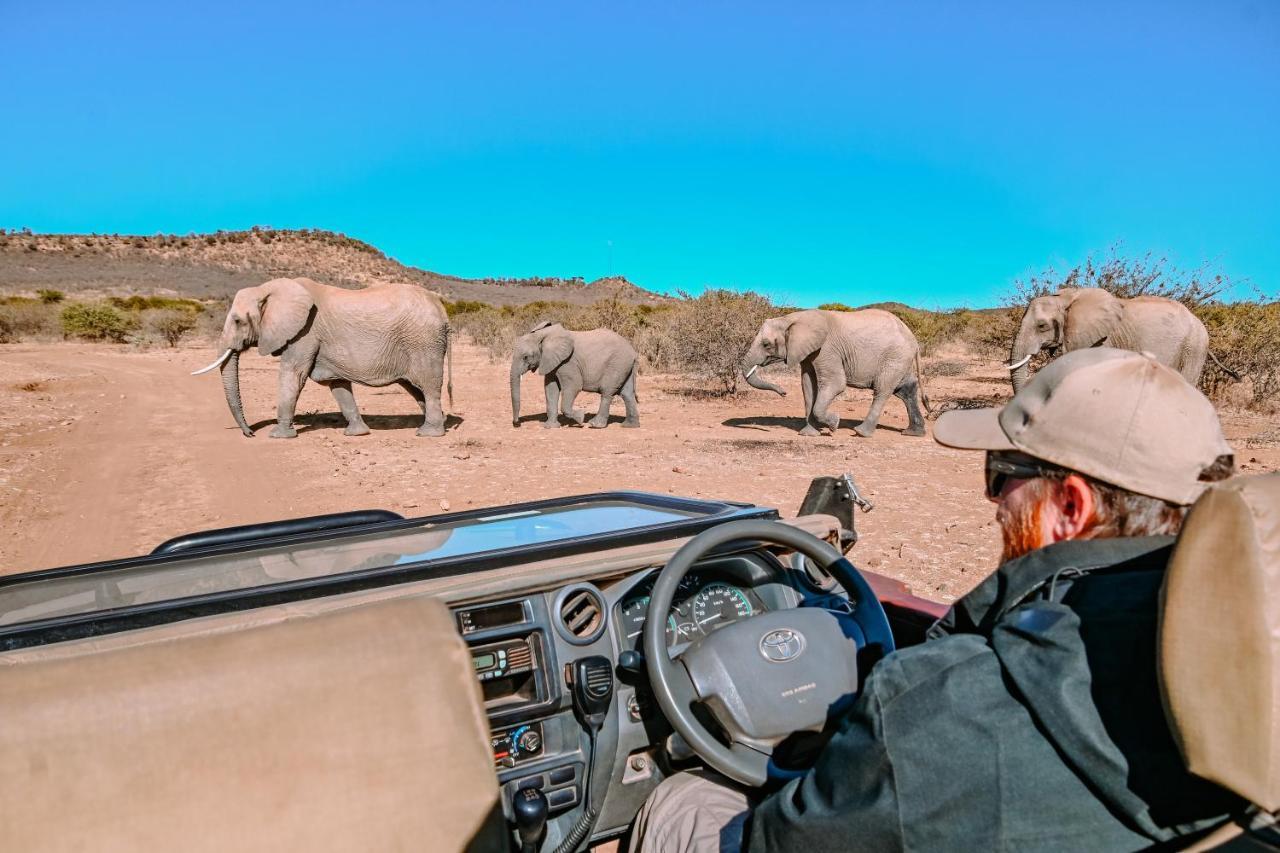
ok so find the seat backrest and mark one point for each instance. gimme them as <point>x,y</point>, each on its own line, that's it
<point>323,725</point>
<point>1220,638</point>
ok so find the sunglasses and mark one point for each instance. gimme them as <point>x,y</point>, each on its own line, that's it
<point>1002,467</point>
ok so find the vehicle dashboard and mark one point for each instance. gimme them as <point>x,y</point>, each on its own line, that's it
<point>522,648</point>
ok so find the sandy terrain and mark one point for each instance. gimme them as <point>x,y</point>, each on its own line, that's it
<point>106,451</point>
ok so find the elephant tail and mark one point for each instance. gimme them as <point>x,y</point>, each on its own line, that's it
<point>924,398</point>
<point>1223,367</point>
<point>448,354</point>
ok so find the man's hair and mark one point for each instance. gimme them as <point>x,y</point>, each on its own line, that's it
<point>1120,512</point>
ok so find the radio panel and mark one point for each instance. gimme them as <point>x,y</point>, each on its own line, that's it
<point>502,660</point>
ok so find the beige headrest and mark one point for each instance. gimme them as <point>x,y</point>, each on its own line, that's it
<point>1220,638</point>
<point>315,726</point>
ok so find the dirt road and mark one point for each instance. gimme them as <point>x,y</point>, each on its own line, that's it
<point>105,452</point>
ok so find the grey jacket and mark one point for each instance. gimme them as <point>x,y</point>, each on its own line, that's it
<point>1031,720</point>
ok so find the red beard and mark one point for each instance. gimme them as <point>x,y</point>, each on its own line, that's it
<point>1020,530</point>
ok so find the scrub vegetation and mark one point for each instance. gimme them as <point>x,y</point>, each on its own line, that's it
<point>165,288</point>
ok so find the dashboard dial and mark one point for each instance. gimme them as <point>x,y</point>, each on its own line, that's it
<point>634,614</point>
<point>718,604</point>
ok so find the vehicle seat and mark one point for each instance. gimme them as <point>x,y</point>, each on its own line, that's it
<point>1220,639</point>
<point>323,725</point>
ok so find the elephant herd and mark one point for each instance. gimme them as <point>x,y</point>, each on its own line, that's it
<point>399,334</point>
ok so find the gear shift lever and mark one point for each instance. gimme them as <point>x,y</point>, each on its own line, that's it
<point>529,808</point>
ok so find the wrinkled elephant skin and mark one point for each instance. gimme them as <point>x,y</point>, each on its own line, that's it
<point>601,361</point>
<point>379,335</point>
<point>841,349</point>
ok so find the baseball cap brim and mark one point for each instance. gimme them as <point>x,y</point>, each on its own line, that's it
<point>975,429</point>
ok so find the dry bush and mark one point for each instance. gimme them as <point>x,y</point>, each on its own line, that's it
<point>171,324</point>
<point>1245,336</point>
<point>708,335</point>
<point>27,319</point>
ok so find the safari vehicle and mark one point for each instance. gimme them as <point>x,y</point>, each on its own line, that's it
<point>512,678</point>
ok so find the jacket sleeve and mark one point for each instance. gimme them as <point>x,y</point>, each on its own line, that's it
<point>847,801</point>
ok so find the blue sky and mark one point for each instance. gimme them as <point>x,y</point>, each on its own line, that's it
<point>927,152</point>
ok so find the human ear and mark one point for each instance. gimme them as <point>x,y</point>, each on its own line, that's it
<point>1073,505</point>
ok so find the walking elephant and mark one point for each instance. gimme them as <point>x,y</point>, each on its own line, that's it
<point>842,349</point>
<point>374,336</point>
<point>569,362</point>
<point>1079,317</point>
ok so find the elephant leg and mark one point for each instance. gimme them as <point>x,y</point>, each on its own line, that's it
<point>629,400</point>
<point>341,390</point>
<point>808,387</point>
<point>433,413</point>
<point>288,388</point>
<point>868,425</point>
<point>601,420</point>
<point>552,387</point>
<point>828,385</point>
<point>908,392</point>
<point>570,388</point>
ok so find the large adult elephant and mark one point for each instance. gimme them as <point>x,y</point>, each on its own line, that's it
<point>841,349</point>
<point>600,360</point>
<point>374,336</point>
<point>1079,317</point>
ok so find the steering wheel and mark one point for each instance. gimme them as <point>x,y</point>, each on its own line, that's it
<point>766,677</point>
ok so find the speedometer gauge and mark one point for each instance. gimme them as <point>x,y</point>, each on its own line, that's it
<point>719,603</point>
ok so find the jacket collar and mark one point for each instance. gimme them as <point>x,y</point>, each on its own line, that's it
<point>1016,580</point>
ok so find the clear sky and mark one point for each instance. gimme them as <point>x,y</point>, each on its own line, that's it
<point>927,152</point>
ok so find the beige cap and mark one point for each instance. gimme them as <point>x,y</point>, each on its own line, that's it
<point>1117,416</point>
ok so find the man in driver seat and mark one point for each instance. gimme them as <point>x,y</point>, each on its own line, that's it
<point>1031,719</point>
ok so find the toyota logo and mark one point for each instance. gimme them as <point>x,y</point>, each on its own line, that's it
<point>782,645</point>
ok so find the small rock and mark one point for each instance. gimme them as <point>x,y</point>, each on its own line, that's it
<point>410,504</point>
<point>67,423</point>
<point>677,469</point>
<point>444,504</point>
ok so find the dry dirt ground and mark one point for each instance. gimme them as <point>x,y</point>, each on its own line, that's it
<point>106,451</point>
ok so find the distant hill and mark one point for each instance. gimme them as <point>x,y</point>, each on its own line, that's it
<point>206,266</point>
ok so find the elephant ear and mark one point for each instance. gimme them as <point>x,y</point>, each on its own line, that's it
<point>286,306</point>
<point>1092,316</point>
<point>556,349</point>
<point>804,336</point>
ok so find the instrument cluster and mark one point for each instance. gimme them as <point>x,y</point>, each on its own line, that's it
<point>702,604</point>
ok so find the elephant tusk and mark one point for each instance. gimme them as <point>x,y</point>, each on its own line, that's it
<point>751,371</point>
<point>1018,364</point>
<point>219,361</point>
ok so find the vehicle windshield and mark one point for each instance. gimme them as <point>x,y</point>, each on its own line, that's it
<point>184,577</point>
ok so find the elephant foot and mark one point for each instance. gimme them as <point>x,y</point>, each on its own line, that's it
<point>865,430</point>
<point>597,423</point>
<point>810,430</point>
<point>356,429</point>
<point>431,431</point>
<point>284,432</point>
<point>631,424</point>
<point>914,432</point>
<point>577,415</point>
<point>832,423</point>
<point>551,424</point>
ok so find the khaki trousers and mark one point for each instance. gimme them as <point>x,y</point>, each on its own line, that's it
<point>692,812</point>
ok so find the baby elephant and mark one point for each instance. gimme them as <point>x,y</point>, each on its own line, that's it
<point>599,360</point>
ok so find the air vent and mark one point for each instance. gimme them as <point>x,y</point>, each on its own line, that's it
<point>580,614</point>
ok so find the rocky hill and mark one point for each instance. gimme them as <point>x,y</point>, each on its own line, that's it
<point>206,266</point>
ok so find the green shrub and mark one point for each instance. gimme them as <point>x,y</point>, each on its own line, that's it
<point>95,322</point>
<point>835,306</point>
<point>1245,337</point>
<point>51,297</point>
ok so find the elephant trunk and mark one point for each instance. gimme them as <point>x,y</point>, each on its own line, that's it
<point>516,373</point>
<point>231,387</point>
<point>1020,360</point>
<point>749,374</point>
